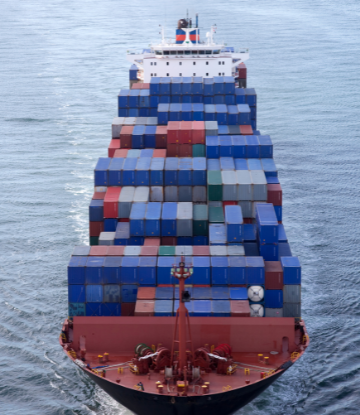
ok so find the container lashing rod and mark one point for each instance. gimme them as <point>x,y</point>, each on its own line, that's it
<point>182,272</point>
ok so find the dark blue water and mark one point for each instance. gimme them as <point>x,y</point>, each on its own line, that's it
<point>61,66</point>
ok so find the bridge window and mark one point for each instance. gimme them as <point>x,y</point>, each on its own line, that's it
<point>158,52</point>
<point>166,52</point>
<point>187,52</point>
<point>173,52</point>
<point>152,74</point>
<point>201,52</point>
<point>217,51</point>
<point>208,52</point>
<point>151,63</point>
<point>180,52</point>
<point>194,74</point>
<point>194,52</point>
<point>223,63</point>
<point>155,63</point>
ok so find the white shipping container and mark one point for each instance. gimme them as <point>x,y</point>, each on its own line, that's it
<point>116,126</point>
<point>218,250</point>
<point>184,218</point>
<point>244,191</point>
<point>106,238</point>
<point>229,185</point>
<point>183,250</point>
<point>259,185</point>
<point>132,250</point>
<point>235,250</point>
<point>125,201</point>
<point>142,194</point>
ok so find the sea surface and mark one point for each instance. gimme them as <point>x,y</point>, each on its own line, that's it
<point>62,64</point>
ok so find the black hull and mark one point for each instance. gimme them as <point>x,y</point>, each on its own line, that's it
<point>142,403</point>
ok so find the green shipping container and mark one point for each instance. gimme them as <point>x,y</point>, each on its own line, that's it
<point>167,251</point>
<point>200,220</point>
<point>198,150</point>
<point>94,240</point>
<point>77,309</point>
<point>214,185</point>
<point>216,214</point>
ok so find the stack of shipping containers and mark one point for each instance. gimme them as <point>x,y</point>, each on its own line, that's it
<point>186,174</point>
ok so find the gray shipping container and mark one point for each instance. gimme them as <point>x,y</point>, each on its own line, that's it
<point>259,184</point>
<point>184,219</point>
<point>274,312</point>
<point>218,250</point>
<point>292,293</point>
<point>116,126</point>
<point>156,194</point>
<point>141,120</point>
<point>199,194</point>
<point>151,121</point>
<point>141,194</point>
<point>246,208</point>
<point>81,251</point>
<point>183,250</point>
<point>235,250</point>
<point>185,194</point>
<point>171,194</point>
<point>211,128</point>
<point>107,238</point>
<point>292,310</point>
<point>244,186</point>
<point>215,203</point>
<point>125,201</point>
<point>229,183</point>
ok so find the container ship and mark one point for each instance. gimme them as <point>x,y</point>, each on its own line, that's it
<point>188,298</point>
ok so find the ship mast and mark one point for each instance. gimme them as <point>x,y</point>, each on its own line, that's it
<point>182,272</point>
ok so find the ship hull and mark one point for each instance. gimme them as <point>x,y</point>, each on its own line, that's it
<point>142,403</point>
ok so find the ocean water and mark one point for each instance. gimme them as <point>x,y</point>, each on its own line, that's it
<point>61,66</point>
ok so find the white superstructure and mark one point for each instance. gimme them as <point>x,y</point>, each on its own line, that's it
<point>187,57</point>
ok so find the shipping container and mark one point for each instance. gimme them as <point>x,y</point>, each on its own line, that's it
<point>184,218</point>
<point>168,219</point>
<point>237,274</point>
<point>152,219</point>
<point>267,223</point>
<point>219,270</point>
<point>292,270</point>
<point>125,201</point>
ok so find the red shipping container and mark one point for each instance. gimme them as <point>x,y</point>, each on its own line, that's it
<point>228,203</point>
<point>273,275</point>
<point>98,196</point>
<point>160,136</point>
<point>121,153</point>
<point>98,250</point>
<point>137,85</point>
<point>127,309</point>
<point>240,308</point>
<point>145,86</point>
<point>114,145</point>
<point>159,153</point>
<point>244,130</point>
<point>274,192</point>
<point>242,71</point>
<point>185,134</point>
<point>201,250</point>
<point>124,220</point>
<point>145,308</point>
<point>111,202</point>
<point>149,251</point>
<point>169,240</point>
<point>115,250</point>
<point>201,285</point>
<point>95,228</point>
<point>165,285</point>
<point>173,150</point>
<point>125,136</point>
<point>185,150</point>
<point>198,132</point>
<point>173,132</point>
<point>146,293</point>
<point>248,221</point>
<point>152,242</point>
